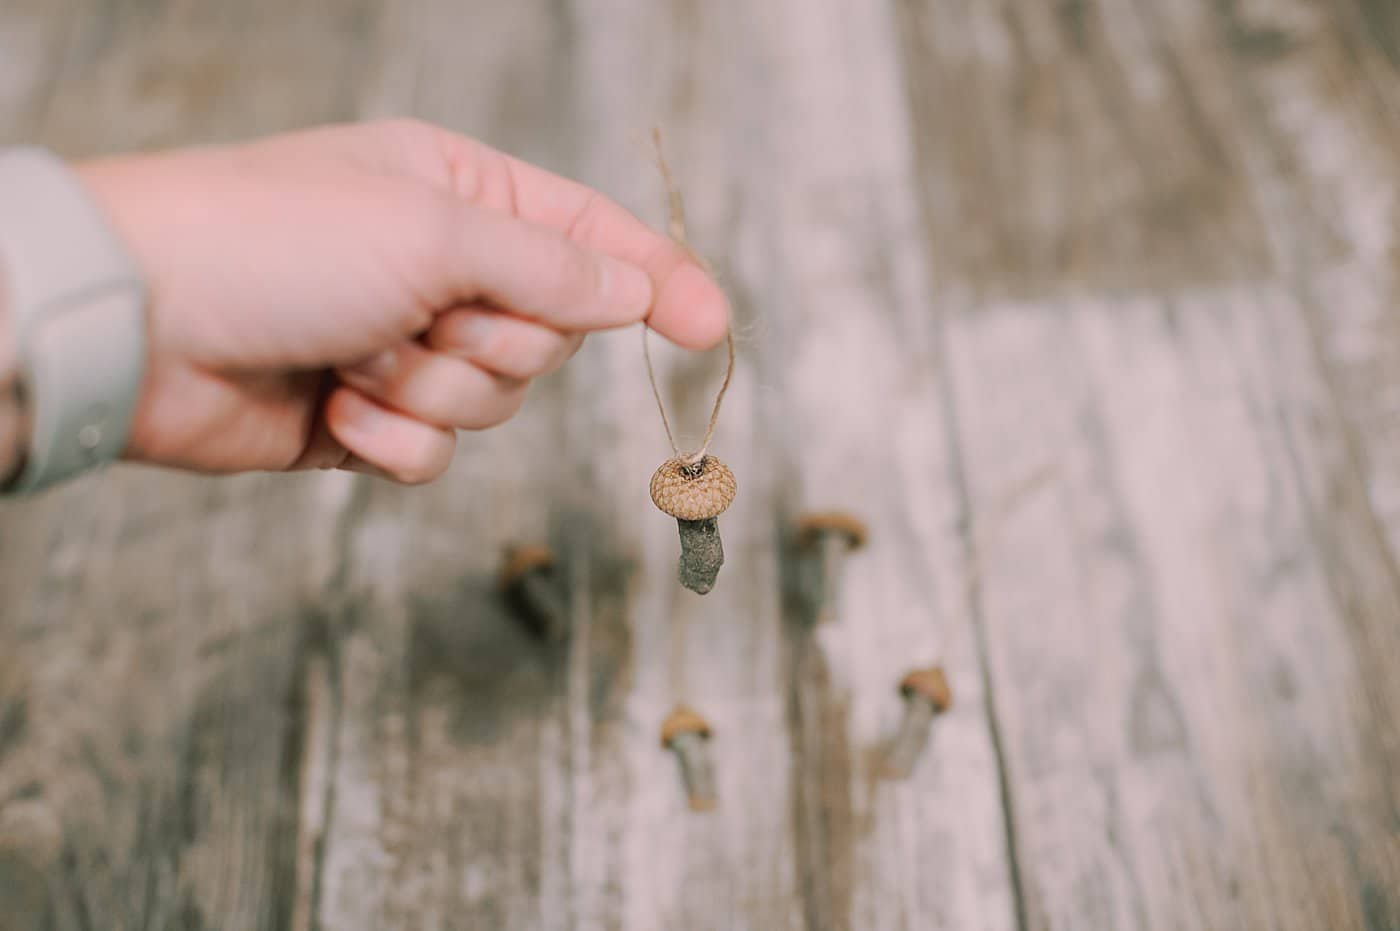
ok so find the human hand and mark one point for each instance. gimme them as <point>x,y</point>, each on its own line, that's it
<point>346,297</point>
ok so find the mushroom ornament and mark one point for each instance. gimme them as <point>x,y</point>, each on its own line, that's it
<point>695,494</point>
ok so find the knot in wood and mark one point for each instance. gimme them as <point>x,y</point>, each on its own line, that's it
<point>693,491</point>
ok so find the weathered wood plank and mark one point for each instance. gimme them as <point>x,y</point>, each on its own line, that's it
<point>1139,253</point>
<point>1188,632</point>
<point>155,627</point>
<point>839,282</point>
<point>461,782</point>
<point>483,779</point>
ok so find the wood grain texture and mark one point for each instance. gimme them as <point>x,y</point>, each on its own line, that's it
<point>155,629</point>
<point>1087,308</point>
<point>483,779</point>
<point>1188,635</point>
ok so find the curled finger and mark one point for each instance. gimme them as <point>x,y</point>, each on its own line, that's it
<point>401,447</point>
<point>500,343</point>
<point>437,388</point>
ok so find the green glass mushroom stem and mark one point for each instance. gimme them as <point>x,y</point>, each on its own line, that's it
<point>702,554</point>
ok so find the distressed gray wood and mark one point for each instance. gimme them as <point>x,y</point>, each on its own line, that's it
<point>1190,635</point>
<point>1087,308</point>
<point>482,779</point>
<point>155,629</point>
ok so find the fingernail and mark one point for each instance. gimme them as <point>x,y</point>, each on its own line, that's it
<point>625,287</point>
<point>378,366</point>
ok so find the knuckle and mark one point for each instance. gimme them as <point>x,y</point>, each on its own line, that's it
<point>562,352</point>
<point>550,359</point>
<point>494,342</point>
<point>527,351</point>
<point>429,403</point>
<point>511,407</point>
<point>429,407</point>
<point>424,462</point>
<point>504,404</point>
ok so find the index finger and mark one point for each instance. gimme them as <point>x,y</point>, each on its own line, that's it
<point>689,309</point>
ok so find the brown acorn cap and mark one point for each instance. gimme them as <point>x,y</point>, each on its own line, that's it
<point>696,492</point>
<point>523,559</point>
<point>683,720</point>
<point>810,528</point>
<point>931,684</point>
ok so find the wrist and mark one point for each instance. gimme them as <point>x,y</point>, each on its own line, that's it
<point>13,425</point>
<point>74,306</point>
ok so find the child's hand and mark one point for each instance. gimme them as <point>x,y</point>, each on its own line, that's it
<point>433,275</point>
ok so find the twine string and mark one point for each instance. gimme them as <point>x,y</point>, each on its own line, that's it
<point>676,227</point>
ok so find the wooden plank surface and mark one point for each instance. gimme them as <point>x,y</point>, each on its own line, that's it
<point>1189,635</point>
<point>154,628</point>
<point>1087,308</point>
<point>553,756</point>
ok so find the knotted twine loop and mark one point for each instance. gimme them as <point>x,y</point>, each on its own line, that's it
<point>676,227</point>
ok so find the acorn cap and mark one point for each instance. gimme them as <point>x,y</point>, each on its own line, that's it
<point>931,684</point>
<point>810,528</point>
<point>683,720</point>
<point>693,492</point>
<point>523,559</point>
